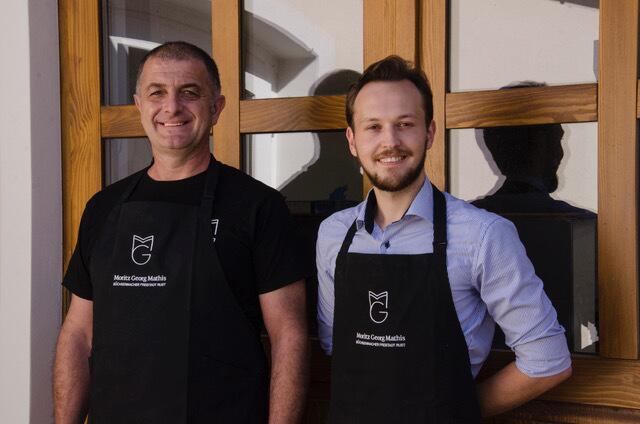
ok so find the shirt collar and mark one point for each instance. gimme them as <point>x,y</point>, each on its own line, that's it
<point>421,206</point>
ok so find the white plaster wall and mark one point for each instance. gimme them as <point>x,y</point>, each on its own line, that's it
<point>497,42</point>
<point>30,209</point>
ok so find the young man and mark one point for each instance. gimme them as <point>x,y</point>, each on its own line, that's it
<point>412,280</point>
<point>174,271</point>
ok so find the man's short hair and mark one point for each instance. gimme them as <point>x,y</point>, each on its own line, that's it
<point>181,50</point>
<point>392,68</point>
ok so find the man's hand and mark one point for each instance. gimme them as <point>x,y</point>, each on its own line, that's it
<point>510,388</point>
<point>284,316</point>
<point>71,367</point>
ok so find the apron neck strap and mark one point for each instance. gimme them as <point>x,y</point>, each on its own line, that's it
<point>344,249</point>
<point>439,226</point>
<point>134,183</point>
<point>439,221</point>
<point>211,182</point>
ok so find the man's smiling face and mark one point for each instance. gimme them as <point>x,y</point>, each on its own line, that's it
<point>389,135</point>
<point>178,104</point>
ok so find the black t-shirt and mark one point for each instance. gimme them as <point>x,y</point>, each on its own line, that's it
<point>256,243</point>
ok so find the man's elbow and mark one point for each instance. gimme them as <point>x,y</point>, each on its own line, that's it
<point>554,380</point>
<point>564,375</point>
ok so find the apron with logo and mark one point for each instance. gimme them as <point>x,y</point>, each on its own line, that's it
<point>399,354</point>
<point>170,342</point>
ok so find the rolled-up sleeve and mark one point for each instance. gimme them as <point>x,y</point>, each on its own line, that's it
<point>516,300</point>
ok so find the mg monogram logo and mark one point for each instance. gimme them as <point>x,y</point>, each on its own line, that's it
<point>378,305</point>
<point>141,249</point>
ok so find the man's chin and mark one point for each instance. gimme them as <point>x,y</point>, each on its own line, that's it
<point>176,144</point>
<point>394,183</point>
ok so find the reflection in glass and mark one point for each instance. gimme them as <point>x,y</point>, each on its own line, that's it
<point>317,175</point>
<point>123,157</point>
<point>495,42</point>
<point>289,45</point>
<point>314,171</point>
<point>134,27</point>
<point>523,173</point>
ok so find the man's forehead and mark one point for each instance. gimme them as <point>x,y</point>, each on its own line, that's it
<point>398,98</point>
<point>188,68</point>
<point>402,88</point>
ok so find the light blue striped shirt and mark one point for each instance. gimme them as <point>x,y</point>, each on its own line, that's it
<point>491,278</point>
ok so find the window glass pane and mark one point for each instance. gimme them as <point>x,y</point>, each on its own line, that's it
<point>123,157</point>
<point>497,42</point>
<point>544,179</point>
<point>288,46</point>
<point>133,27</point>
<point>317,175</point>
<point>314,171</point>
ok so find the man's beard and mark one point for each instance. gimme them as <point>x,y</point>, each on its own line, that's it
<point>401,182</point>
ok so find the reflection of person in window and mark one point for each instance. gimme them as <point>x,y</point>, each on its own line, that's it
<point>332,174</point>
<point>529,157</point>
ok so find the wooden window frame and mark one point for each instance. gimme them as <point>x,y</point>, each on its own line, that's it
<point>416,30</point>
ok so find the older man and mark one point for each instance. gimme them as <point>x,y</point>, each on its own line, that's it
<point>175,270</point>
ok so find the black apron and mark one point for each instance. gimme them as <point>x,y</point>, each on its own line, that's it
<point>170,342</point>
<point>399,354</point>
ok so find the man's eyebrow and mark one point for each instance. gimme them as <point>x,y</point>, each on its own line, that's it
<point>368,119</point>
<point>375,119</point>
<point>153,85</point>
<point>161,85</point>
<point>191,85</point>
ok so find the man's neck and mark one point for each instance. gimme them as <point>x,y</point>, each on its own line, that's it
<point>392,205</point>
<point>171,167</point>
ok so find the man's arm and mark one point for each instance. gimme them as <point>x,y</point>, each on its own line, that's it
<point>71,367</point>
<point>284,316</point>
<point>510,387</point>
<point>516,300</point>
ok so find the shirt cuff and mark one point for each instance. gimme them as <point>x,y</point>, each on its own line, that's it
<point>543,357</point>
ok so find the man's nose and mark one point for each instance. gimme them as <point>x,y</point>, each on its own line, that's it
<point>172,104</point>
<point>390,136</point>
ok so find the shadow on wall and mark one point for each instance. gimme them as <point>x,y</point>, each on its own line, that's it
<point>587,3</point>
<point>527,158</point>
<point>560,239</point>
<point>332,174</point>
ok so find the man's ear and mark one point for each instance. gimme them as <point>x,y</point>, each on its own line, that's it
<point>136,100</point>
<point>431,132</point>
<point>218,105</point>
<point>351,139</point>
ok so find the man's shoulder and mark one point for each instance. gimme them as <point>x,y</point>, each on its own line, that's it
<point>338,223</point>
<point>109,195</point>
<point>474,219</point>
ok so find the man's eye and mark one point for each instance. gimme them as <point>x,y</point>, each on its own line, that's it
<point>373,127</point>
<point>190,94</point>
<point>405,124</point>
<point>155,93</point>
